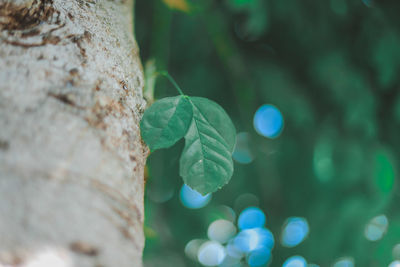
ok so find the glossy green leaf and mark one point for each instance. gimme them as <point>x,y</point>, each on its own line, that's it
<point>166,121</point>
<point>206,162</point>
<point>217,118</point>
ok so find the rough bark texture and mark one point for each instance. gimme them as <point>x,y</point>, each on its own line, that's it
<point>71,157</point>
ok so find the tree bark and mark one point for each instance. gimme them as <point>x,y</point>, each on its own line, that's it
<point>71,156</point>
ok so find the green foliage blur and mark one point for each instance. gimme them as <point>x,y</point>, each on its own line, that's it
<point>332,68</point>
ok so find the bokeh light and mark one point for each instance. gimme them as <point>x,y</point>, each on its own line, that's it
<point>337,159</point>
<point>233,251</point>
<point>251,217</point>
<point>192,199</point>
<point>192,248</point>
<point>384,173</point>
<point>259,257</point>
<point>396,252</point>
<point>253,239</point>
<point>268,121</point>
<point>376,228</point>
<point>221,212</point>
<point>344,262</point>
<point>322,160</point>
<point>160,194</point>
<point>211,253</point>
<point>295,261</point>
<point>246,240</point>
<point>242,153</point>
<point>295,230</point>
<point>231,262</point>
<point>394,264</point>
<point>221,231</point>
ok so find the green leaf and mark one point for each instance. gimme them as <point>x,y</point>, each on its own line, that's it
<point>217,118</point>
<point>166,121</point>
<point>206,162</point>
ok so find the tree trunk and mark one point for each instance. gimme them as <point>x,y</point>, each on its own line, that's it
<point>71,156</point>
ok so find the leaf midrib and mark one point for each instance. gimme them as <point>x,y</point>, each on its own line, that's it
<point>205,118</point>
<point>201,139</point>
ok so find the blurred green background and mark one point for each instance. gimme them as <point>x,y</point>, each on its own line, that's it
<point>331,68</point>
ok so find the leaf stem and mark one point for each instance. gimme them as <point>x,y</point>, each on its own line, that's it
<point>166,74</point>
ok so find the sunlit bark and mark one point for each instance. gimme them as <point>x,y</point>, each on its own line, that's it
<point>71,157</point>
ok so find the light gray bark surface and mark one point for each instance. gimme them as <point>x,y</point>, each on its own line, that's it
<point>71,157</point>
